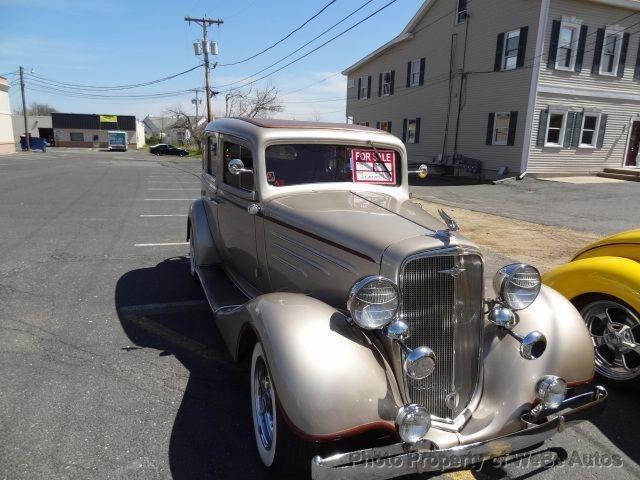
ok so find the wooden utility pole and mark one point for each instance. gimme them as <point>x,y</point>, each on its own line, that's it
<point>24,111</point>
<point>205,23</point>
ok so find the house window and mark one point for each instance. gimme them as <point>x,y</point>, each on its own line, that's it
<point>363,84</point>
<point>412,129</point>
<point>384,126</point>
<point>461,15</point>
<point>386,83</point>
<point>555,129</point>
<point>511,49</point>
<point>363,124</point>
<point>415,73</point>
<point>351,83</point>
<point>76,136</point>
<point>589,130</point>
<point>567,45</point>
<point>501,128</point>
<point>610,52</point>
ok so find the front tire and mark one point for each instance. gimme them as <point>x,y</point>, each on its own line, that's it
<point>278,447</point>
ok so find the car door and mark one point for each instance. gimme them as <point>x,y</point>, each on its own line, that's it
<point>236,225</point>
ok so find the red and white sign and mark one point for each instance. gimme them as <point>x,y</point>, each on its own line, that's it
<point>374,166</point>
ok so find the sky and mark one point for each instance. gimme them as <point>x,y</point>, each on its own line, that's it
<point>123,42</point>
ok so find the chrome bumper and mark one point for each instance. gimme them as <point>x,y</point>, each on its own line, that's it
<point>399,459</point>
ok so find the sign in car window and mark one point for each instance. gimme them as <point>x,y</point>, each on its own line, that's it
<point>374,166</point>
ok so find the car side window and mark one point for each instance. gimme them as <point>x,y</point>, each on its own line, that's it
<point>212,155</point>
<point>232,150</point>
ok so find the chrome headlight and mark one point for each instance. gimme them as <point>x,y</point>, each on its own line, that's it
<point>420,363</point>
<point>517,285</point>
<point>373,302</point>
<point>413,423</point>
<point>551,391</point>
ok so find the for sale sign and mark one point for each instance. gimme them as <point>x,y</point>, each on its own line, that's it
<point>374,166</point>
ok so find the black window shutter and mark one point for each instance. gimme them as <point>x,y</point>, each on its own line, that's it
<point>492,117</point>
<point>359,87</point>
<point>404,130</point>
<point>369,86</point>
<point>568,129</point>
<point>582,42</point>
<point>389,127</point>
<point>393,81</point>
<point>603,127</point>
<point>378,125</point>
<point>499,48</point>
<point>417,130</point>
<point>380,85</point>
<point>542,128</point>
<point>597,53</point>
<point>522,46</point>
<point>421,72</point>
<point>553,44</point>
<point>636,72</point>
<point>623,54</point>
<point>408,74</point>
<point>513,126</point>
<point>577,130</point>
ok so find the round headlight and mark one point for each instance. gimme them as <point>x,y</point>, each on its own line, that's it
<point>413,423</point>
<point>517,285</point>
<point>420,363</point>
<point>373,302</point>
<point>551,391</point>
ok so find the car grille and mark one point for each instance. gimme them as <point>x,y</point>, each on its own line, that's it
<point>442,304</point>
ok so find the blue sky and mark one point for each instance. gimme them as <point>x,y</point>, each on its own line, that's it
<point>122,42</point>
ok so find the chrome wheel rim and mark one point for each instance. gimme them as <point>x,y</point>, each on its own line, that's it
<point>263,404</point>
<point>615,332</point>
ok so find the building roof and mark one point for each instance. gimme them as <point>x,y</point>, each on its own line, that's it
<point>91,121</point>
<point>160,123</point>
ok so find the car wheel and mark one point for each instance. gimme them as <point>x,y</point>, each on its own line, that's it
<point>615,331</point>
<point>192,255</point>
<point>278,447</point>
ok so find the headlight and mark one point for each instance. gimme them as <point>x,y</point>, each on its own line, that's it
<point>517,285</point>
<point>420,363</point>
<point>551,391</point>
<point>373,302</point>
<point>413,423</point>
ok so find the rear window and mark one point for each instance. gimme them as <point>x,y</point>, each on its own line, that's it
<point>298,164</point>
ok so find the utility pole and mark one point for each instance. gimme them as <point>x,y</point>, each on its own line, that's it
<point>196,101</point>
<point>24,110</point>
<point>205,23</point>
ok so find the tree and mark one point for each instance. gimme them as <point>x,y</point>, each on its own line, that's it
<point>259,102</point>
<point>38,109</point>
<point>194,125</point>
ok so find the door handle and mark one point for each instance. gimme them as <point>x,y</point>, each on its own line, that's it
<point>215,200</point>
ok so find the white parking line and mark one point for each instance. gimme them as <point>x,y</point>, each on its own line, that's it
<point>167,215</point>
<point>165,199</point>
<point>170,244</point>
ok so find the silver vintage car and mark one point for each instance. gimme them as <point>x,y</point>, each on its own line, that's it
<point>373,351</point>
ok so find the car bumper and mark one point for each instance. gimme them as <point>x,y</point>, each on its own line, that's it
<point>399,459</point>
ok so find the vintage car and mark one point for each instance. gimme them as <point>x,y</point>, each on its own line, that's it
<point>603,282</point>
<point>364,319</point>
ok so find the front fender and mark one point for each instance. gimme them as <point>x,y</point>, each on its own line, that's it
<point>199,226</point>
<point>331,381</point>
<point>615,276</point>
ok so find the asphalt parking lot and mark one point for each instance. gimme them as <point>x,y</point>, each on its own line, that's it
<point>110,364</point>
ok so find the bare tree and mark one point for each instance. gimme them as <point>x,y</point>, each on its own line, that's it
<point>190,123</point>
<point>259,102</point>
<point>38,109</point>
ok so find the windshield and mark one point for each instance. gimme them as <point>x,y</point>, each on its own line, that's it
<point>297,164</point>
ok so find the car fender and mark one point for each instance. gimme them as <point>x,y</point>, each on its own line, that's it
<point>198,225</point>
<point>331,380</point>
<point>615,276</point>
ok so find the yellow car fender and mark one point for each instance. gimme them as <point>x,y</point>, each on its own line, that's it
<point>614,276</point>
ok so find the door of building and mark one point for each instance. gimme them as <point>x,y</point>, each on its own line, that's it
<point>634,145</point>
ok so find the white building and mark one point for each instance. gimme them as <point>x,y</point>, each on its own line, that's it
<point>7,141</point>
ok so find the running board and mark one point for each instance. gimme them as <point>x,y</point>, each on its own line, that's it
<point>220,291</point>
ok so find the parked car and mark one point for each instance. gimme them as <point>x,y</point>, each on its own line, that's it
<point>35,143</point>
<point>603,282</point>
<point>165,149</point>
<point>363,316</point>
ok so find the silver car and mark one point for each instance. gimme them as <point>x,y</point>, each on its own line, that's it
<point>364,317</point>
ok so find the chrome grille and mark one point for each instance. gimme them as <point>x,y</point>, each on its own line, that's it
<point>444,313</point>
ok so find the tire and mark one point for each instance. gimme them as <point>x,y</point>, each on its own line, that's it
<point>615,331</point>
<point>192,255</point>
<point>279,449</point>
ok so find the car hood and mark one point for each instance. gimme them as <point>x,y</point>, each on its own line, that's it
<point>366,223</point>
<point>628,240</point>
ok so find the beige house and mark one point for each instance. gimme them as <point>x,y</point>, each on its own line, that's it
<point>537,86</point>
<point>7,144</point>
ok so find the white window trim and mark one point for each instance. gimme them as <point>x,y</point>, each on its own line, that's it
<point>570,22</point>
<point>459,12</point>
<point>493,130</point>
<point>562,130</point>
<point>618,31</point>
<point>594,141</point>
<point>386,83</point>
<point>364,87</point>
<point>417,73</point>
<point>504,51</point>
<point>415,123</point>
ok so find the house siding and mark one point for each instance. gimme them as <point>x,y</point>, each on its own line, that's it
<point>585,90</point>
<point>484,91</point>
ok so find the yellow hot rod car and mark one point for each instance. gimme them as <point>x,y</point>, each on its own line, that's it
<point>603,282</point>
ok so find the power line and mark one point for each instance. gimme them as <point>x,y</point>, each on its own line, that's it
<point>80,94</point>
<point>282,39</point>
